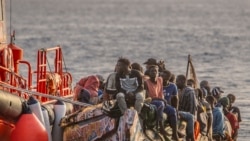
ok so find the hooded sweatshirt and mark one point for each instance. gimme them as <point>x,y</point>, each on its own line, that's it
<point>218,121</point>
<point>90,83</point>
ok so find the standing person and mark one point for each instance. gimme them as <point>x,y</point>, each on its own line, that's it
<point>218,119</point>
<point>188,101</point>
<point>154,90</point>
<point>86,90</point>
<point>205,117</point>
<point>129,85</point>
<point>169,88</point>
<point>205,87</point>
<point>232,108</point>
<point>236,111</point>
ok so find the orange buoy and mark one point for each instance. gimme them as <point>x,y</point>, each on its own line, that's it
<point>5,130</point>
<point>29,128</point>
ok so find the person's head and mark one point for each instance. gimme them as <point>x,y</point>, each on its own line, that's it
<point>172,78</point>
<point>217,92</point>
<point>150,62</point>
<point>137,66</point>
<point>153,71</point>
<point>232,98</point>
<point>206,85</point>
<point>224,101</point>
<point>166,75</point>
<point>191,83</point>
<point>200,93</point>
<point>181,81</point>
<point>211,100</point>
<point>123,65</point>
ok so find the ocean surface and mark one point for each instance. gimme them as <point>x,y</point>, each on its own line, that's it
<point>95,33</point>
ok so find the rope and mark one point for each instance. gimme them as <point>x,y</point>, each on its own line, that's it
<point>10,16</point>
<point>45,95</point>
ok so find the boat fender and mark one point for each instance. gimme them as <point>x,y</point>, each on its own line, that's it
<point>29,128</point>
<point>35,107</point>
<point>11,106</point>
<point>46,123</point>
<point>5,130</point>
<point>60,111</point>
<point>51,114</point>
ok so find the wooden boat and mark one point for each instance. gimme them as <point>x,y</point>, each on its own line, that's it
<point>40,106</point>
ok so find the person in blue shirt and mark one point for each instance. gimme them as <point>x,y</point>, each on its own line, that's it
<point>169,88</point>
<point>218,119</point>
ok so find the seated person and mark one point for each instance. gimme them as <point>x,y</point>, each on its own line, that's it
<point>148,63</point>
<point>183,116</point>
<point>110,88</point>
<point>172,116</point>
<point>154,90</point>
<point>86,90</point>
<point>129,85</point>
<point>169,88</point>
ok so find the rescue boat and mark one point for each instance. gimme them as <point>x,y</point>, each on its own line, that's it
<point>39,105</point>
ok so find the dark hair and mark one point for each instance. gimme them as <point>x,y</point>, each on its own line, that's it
<point>191,81</point>
<point>172,78</point>
<point>125,61</point>
<point>231,97</point>
<point>182,77</point>
<point>200,94</point>
<point>203,83</point>
<point>210,99</point>
<point>137,66</point>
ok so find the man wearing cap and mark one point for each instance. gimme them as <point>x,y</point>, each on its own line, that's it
<point>217,92</point>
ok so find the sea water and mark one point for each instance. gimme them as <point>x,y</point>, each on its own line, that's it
<point>95,33</point>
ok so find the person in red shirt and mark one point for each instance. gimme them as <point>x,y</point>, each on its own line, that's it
<point>154,90</point>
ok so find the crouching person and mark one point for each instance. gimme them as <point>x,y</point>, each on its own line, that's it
<point>129,85</point>
<point>86,90</point>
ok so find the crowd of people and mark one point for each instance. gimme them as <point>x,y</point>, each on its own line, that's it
<point>209,114</point>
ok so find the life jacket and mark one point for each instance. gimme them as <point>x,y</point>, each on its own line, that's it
<point>196,130</point>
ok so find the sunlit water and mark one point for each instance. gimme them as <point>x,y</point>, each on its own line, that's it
<point>94,33</point>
